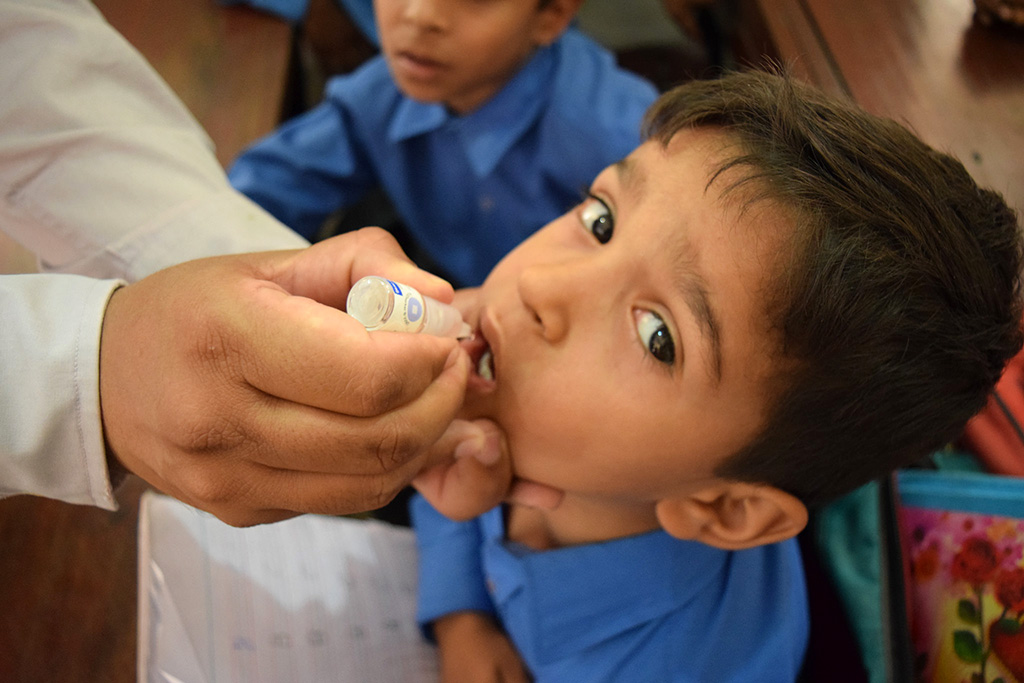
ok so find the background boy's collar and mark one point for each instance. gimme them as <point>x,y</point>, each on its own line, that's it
<point>492,129</point>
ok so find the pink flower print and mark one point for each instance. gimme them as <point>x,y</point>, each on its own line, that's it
<point>1009,588</point>
<point>976,562</point>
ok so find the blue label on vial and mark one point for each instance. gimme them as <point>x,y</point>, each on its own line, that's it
<point>395,287</point>
<point>415,310</point>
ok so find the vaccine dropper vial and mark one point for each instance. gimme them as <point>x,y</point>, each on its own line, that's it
<point>380,304</point>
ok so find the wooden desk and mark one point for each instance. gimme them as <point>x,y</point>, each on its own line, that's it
<point>68,573</point>
<point>229,65</point>
<point>925,63</point>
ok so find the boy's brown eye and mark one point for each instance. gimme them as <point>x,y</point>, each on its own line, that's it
<point>662,347</point>
<point>597,218</point>
<point>656,337</point>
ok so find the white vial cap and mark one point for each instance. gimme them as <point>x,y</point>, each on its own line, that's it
<point>370,301</point>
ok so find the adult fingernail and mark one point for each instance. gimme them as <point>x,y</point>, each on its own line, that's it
<point>453,357</point>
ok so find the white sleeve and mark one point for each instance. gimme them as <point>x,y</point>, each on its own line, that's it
<point>51,438</point>
<point>103,172</point>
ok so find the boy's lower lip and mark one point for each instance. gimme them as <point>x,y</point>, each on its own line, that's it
<point>480,385</point>
<point>417,67</point>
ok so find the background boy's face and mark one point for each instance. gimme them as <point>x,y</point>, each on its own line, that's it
<point>458,52</point>
<point>628,341</point>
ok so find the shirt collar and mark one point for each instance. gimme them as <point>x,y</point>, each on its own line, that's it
<point>487,133</point>
<point>635,580</point>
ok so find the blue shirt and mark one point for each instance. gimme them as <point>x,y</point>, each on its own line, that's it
<point>361,13</point>
<point>642,608</point>
<point>468,188</point>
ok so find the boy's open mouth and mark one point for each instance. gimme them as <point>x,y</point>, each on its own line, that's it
<point>485,366</point>
<point>481,355</point>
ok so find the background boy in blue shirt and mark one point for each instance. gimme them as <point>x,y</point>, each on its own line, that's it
<point>773,300</point>
<point>480,120</point>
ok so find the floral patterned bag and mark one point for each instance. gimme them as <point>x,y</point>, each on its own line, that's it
<point>962,546</point>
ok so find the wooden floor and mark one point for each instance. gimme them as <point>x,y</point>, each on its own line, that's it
<point>67,583</point>
<point>925,63</point>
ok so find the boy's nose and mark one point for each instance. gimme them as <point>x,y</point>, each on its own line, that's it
<point>556,294</point>
<point>427,14</point>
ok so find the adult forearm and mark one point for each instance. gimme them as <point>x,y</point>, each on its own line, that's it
<point>103,171</point>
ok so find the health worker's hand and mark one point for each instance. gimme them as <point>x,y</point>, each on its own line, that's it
<point>237,384</point>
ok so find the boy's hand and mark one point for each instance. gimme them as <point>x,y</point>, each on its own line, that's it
<point>480,476</point>
<point>474,649</point>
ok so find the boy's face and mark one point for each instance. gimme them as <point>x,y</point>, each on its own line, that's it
<point>459,52</point>
<point>628,337</point>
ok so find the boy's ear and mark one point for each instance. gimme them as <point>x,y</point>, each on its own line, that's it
<point>553,19</point>
<point>733,515</point>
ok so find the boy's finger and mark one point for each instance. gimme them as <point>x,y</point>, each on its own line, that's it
<point>472,472</point>
<point>534,495</point>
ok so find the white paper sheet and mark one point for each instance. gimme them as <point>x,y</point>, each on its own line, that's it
<point>311,599</point>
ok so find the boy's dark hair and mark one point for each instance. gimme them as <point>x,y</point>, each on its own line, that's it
<point>900,301</point>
